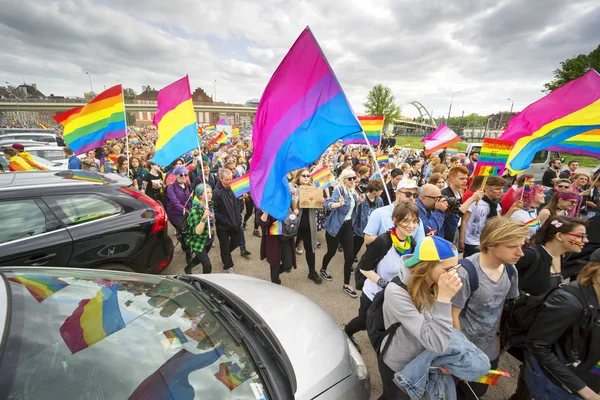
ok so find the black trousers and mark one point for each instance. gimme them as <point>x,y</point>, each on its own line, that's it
<point>359,323</point>
<point>286,249</point>
<point>345,237</point>
<point>390,390</point>
<point>464,393</point>
<point>203,258</point>
<point>180,236</point>
<point>249,203</point>
<point>228,242</point>
<point>304,235</point>
<point>358,242</point>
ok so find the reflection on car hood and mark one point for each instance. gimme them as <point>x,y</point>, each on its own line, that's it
<point>313,341</point>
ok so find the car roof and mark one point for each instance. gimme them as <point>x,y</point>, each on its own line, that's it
<point>37,179</point>
<point>36,147</point>
<point>20,134</point>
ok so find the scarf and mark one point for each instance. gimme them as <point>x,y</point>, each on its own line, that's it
<point>401,248</point>
<point>493,207</point>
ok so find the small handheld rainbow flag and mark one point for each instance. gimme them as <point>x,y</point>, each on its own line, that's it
<point>372,126</point>
<point>452,150</point>
<point>229,374</point>
<point>220,161</point>
<point>383,159</point>
<point>533,223</point>
<point>492,377</point>
<point>527,185</point>
<point>221,138</point>
<point>364,158</point>
<point>323,178</point>
<point>493,157</point>
<point>240,185</point>
<point>209,128</point>
<point>276,229</point>
<point>596,369</point>
<point>40,286</point>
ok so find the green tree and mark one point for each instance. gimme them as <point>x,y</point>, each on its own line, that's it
<point>381,101</point>
<point>573,68</point>
<point>129,93</point>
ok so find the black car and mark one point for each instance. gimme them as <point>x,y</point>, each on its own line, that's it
<point>81,218</point>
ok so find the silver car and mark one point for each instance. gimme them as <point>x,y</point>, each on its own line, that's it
<point>75,333</point>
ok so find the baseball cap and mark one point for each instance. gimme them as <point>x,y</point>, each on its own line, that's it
<point>432,248</point>
<point>180,170</point>
<point>18,146</point>
<point>408,184</point>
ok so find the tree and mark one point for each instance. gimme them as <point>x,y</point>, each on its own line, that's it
<point>129,93</point>
<point>573,68</point>
<point>381,101</point>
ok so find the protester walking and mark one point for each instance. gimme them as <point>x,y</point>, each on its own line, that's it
<point>372,202</point>
<point>228,219</point>
<point>179,202</point>
<point>277,249</point>
<point>560,204</point>
<point>198,220</point>
<point>528,215</point>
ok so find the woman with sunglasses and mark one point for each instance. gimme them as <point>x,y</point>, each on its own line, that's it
<point>559,204</point>
<point>343,205</point>
<point>179,202</point>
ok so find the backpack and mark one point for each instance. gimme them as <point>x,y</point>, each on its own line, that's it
<point>590,315</point>
<point>289,227</point>
<point>376,325</point>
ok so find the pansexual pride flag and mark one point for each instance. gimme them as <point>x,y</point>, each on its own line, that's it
<point>93,320</point>
<point>440,138</point>
<point>372,126</point>
<point>323,178</point>
<point>91,126</point>
<point>566,120</point>
<point>40,286</point>
<point>240,185</point>
<point>303,110</point>
<point>174,118</point>
<point>171,380</point>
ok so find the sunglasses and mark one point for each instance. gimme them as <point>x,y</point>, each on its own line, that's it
<point>410,195</point>
<point>305,176</point>
<point>562,187</point>
<point>351,178</point>
<point>182,175</point>
<point>434,197</point>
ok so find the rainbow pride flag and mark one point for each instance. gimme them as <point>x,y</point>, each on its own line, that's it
<point>596,369</point>
<point>533,223</point>
<point>40,286</point>
<point>565,120</point>
<point>175,121</point>
<point>91,126</point>
<point>175,336</point>
<point>363,159</point>
<point>492,377</point>
<point>442,137</point>
<point>171,380</point>
<point>527,185</point>
<point>276,229</point>
<point>229,375</point>
<point>493,157</point>
<point>323,178</point>
<point>453,150</point>
<point>240,185</point>
<point>93,320</point>
<point>44,126</point>
<point>220,161</point>
<point>383,159</point>
<point>372,126</point>
<point>302,104</point>
<point>220,138</point>
<point>209,128</point>
<point>243,160</point>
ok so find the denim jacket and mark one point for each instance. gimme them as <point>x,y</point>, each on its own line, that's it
<point>362,215</point>
<point>433,221</point>
<point>336,219</point>
<point>421,378</point>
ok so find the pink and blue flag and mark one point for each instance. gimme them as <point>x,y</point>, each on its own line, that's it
<point>222,122</point>
<point>303,110</point>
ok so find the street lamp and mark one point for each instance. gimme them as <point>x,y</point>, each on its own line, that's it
<point>215,90</point>
<point>89,76</point>
<point>450,109</point>
<point>511,106</point>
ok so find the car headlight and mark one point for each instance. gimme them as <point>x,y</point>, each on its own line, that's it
<point>359,369</point>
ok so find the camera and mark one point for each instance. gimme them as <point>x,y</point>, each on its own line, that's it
<point>453,204</point>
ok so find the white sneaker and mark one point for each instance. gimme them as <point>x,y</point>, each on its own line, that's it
<point>230,271</point>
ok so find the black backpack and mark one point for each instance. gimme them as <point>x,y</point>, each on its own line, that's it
<point>289,227</point>
<point>589,317</point>
<point>375,323</point>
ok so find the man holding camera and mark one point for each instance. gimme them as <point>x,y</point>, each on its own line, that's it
<point>457,183</point>
<point>432,206</point>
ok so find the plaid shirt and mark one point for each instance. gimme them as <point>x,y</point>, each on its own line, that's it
<point>197,242</point>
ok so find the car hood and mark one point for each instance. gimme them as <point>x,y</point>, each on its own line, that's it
<point>315,344</point>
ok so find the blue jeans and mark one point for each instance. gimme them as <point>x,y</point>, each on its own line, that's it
<point>242,237</point>
<point>421,378</point>
<point>540,386</point>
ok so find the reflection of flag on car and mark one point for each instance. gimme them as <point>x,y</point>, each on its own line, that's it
<point>171,380</point>
<point>93,320</point>
<point>229,374</point>
<point>40,286</point>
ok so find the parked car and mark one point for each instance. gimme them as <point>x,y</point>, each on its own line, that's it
<point>51,165</point>
<point>10,142</point>
<point>6,131</point>
<point>69,333</point>
<point>49,138</point>
<point>52,153</point>
<point>81,219</point>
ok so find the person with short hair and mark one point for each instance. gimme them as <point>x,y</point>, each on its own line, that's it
<point>395,176</point>
<point>477,313</point>
<point>472,165</point>
<point>508,198</point>
<point>16,162</point>
<point>179,202</point>
<point>551,175</point>
<point>432,206</point>
<point>571,171</point>
<point>228,218</point>
<point>199,218</point>
<point>371,202</point>
<point>74,162</point>
<point>457,183</point>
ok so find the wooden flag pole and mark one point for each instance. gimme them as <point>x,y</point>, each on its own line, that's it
<point>485,178</point>
<point>203,181</point>
<point>378,168</point>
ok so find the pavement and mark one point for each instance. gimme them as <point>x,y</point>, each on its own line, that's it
<point>329,295</point>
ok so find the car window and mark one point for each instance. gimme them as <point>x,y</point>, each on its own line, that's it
<point>115,336</point>
<point>540,157</point>
<point>77,209</point>
<point>53,155</point>
<point>21,219</point>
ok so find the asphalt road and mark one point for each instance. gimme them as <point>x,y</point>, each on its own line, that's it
<point>330,296</point>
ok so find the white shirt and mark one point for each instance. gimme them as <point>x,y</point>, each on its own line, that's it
<point>477,220</point>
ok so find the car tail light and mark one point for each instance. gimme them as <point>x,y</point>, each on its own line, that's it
<point>160,217</point>
<point>163,264</point>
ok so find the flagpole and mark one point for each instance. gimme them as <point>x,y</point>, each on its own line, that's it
<point>203,180</point>
<point>378,167</point>
<point>126,131</point>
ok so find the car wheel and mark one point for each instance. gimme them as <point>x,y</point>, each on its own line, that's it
<point>116,267</point>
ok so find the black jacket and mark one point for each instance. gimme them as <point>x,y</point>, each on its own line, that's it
<point>550,339</point>
<point>227,210</point>
<point>534,273</point>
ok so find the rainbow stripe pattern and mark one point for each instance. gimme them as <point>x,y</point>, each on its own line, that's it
<point>527,185</point>
<point>372,126</point>
<point>363,159</point>
<point>383,159</point>
<point>175,336</point>
<point>175,121</point>
<point>492,377</point>
<point>44,126</point>
<point>567,119</point>
<point>276,229</point>
<point>493,157</point>
<point>442,137</point>
<point>222,122</point>
<point>93,320</point>
<point>171,380</point>
<point>302,103</point>
<point>323,178</point>
<point>533,223</point>
<point>220,138</point>
<point>240,185</point>
<point>91,126</point>
<point>453,150</point>
<point>229,375</point>
<point>220,161</point>
<point>596,369</point>
<point>209,128</point>
<point>40,286</point>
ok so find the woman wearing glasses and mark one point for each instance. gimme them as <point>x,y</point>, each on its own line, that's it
<point>343,204</point>
<point>559,204</point>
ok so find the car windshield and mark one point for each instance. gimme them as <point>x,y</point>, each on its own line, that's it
<point>107,335</point>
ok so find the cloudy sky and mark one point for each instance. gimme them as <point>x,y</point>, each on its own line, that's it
<point>486,51</point>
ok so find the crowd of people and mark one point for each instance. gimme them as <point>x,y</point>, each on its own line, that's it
<point>437,321</point>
